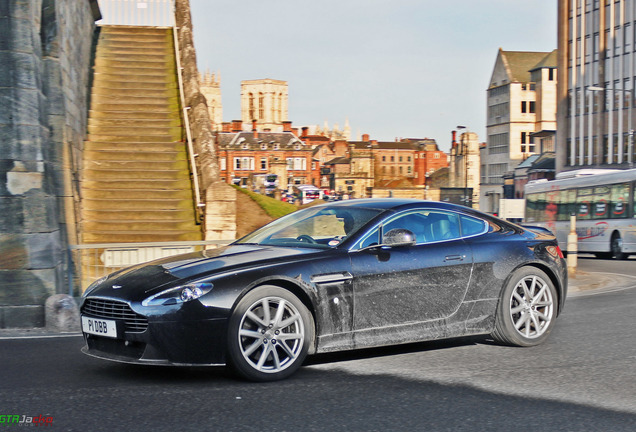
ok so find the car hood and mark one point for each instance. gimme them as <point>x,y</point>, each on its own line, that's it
<point>229,258</point>
<point>137,282</point>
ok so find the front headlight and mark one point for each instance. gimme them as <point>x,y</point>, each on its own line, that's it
<point>180,294</point>
<point>94,285</point>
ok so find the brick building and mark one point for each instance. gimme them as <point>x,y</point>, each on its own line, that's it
<point>243,154</point>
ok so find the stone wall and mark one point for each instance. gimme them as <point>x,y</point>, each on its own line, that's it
<point>45,50</point>
<point>220,199</point>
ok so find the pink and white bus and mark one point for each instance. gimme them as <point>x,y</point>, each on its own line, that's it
<point>601,200</point>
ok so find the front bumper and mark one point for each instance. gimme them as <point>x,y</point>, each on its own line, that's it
<point>178,335</point>
<point>165,343</point>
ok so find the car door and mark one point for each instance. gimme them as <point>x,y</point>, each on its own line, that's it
<point>410,284</point>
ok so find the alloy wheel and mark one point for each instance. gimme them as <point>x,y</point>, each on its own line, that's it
<point>531,307</point>
<point>271,334</point>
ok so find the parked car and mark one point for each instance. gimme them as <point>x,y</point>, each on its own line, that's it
<point>338,276</point>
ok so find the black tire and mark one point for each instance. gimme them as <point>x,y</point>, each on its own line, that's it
<point>616,246</point>
<point>527,308</point>
<point>269,335</point>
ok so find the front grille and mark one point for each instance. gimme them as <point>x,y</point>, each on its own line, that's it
<point>112,309</point>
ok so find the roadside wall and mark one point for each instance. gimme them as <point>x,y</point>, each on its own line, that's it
<point>45,50</point>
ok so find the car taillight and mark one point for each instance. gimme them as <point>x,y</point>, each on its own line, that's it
<point>555,251</point>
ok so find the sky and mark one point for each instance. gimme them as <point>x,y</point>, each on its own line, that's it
<point>393,68</point>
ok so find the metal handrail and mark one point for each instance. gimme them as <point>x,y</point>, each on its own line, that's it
<point>186,120</point>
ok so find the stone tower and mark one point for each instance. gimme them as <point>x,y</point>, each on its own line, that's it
<point>210,85</point>
<point>265,101</point>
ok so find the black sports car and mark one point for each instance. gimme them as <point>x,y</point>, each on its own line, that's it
<point>341,276</point>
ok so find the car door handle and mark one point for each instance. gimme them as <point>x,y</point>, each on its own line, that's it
<point>454,258</point>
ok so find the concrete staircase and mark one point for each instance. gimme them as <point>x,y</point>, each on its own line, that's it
<point>135,182</point>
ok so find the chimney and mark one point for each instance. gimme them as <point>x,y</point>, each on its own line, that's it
<point>374,143</point>
<point>237,126</point>
<point>295,131</point>
<point>287,126</point>
<point>305,132</point>
<point>254,131</point>
<point>365,137</point>
<point>226,127</point>
<point>454,138</point>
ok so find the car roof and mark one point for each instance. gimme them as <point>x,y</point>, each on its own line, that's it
<point>394,204</point>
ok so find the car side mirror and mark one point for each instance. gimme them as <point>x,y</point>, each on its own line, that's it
<point>399,237</point>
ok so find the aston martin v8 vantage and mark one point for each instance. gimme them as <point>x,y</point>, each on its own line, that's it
<point>340,276</point>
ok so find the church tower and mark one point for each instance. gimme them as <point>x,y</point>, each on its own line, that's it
<point>210,85</point>
<point>265,101</point>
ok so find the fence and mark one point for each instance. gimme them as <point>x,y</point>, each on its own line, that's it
<point>97,260</point>
<point>158,13</point>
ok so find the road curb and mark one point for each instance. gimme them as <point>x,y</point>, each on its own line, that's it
<point>584,283</point>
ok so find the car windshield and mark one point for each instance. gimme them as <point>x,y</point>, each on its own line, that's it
<point>319,227</point>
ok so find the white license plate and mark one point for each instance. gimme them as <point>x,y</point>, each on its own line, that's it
<point>99,327</point>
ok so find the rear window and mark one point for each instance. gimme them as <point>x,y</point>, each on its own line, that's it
<point>472,226</point>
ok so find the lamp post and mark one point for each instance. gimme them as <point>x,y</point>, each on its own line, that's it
<point>464,146</point>
<point>630,146</point>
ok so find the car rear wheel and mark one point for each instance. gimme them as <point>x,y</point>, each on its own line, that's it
<point>527,308</point>
<point>270,333</point>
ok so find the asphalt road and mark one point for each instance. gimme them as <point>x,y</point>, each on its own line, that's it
<point>582,379</point>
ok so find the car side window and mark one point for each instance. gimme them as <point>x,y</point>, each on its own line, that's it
<point>472,226</point>
<point>427,226</point>
<point>442,226</point>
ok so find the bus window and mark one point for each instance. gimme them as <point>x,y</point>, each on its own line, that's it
<point>601,202</point>
<point>531,208</point>
<point>567,204</point>
<point>551,205</point>
<point>619,198</point>
<point>584,198</point>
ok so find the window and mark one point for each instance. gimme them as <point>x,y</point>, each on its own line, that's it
<point>498,110</point>
<point>523,107</point>
<point>527,142</point>
<point>297,164</point>
<point>244,164</point>
<point>261,106</point>
<point>471,226</point>
<point>496,172</point>
<point>223,164</point>
<point>400,158</point>
<point>619,197</point>
<point>428,226</point>
<point>532,107</point>
<point>263,164</point>
<point>498,143</point>
<point>551,74</point>
<point>392,158</point>
<point>251,106</point>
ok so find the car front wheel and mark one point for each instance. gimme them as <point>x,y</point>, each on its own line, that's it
<point>270,333</point>
<point>527,308</point>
